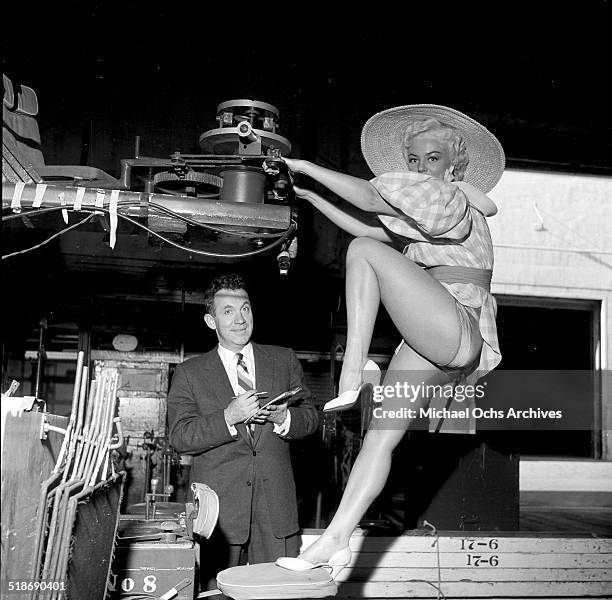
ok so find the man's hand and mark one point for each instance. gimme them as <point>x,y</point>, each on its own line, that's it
<point>241,408</point>
<point>276,413</point>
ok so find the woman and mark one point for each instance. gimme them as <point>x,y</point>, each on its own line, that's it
<point>433,166</point>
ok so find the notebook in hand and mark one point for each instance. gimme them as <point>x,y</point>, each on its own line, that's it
<point>280,397</point>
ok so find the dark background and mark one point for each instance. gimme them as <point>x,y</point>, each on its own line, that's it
<point>535,73</point>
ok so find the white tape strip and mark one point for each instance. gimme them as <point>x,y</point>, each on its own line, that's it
<point>78,199</point>
<point>16,201</point>
<point>62,199</point>
<point>113,217</point>
<point>41,188</point>
<point>100,195</point>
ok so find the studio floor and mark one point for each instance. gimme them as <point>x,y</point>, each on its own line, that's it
<point>577,521</point>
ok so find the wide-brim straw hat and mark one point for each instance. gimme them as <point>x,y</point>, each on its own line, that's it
<point>383,134</point>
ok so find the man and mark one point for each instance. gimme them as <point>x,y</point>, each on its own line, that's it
<point>248,465</point>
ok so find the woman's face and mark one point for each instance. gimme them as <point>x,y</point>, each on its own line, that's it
<point>429,155</point>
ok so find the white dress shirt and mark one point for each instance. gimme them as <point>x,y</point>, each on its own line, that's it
<point>229,360</point>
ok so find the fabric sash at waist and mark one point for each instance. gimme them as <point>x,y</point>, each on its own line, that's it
<point>456,274</point>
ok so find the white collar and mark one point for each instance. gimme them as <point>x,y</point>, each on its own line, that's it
<point>227,356</point>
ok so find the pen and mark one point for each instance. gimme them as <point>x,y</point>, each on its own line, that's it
<point>256,394</point>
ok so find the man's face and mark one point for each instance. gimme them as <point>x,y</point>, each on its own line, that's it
<point>233,319</point>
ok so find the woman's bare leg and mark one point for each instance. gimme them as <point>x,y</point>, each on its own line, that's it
<point>425,314</point>
<point>420,307</point>
<point>371,469</point>
<point>362,302</point>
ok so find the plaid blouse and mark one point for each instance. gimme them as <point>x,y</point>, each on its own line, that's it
<point>439,227</point>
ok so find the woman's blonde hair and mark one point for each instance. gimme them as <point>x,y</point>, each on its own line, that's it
<point>457,147</point>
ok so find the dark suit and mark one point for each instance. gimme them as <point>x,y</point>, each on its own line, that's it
<point>244,473</point>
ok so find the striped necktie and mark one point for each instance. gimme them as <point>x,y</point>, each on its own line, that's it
<point>244,381</point>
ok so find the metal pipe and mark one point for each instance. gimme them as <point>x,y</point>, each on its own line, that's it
<point>147,474</point>
<point>119,442</point>
<point>41,357</point>
<point>48,427</point>
<point>269,216</point>
<point>73,410</point>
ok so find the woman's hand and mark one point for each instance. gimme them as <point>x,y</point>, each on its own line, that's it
<point>295,165</point>
<point>308,195</point>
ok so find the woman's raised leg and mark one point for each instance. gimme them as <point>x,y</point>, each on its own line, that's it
<point>419,306</point>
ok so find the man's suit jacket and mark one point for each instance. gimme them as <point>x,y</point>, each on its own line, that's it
<point>231,465</point>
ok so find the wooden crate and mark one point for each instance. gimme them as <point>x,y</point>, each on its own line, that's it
<point>27,461</point>
<point>495,565</point>
<point>153,568</point>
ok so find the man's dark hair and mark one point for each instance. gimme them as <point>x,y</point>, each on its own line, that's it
<point>228,281</point>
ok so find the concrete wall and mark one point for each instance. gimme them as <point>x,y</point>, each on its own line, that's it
<point>553,239</point>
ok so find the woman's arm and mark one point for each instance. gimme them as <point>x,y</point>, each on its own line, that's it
<point>477,198</point>
<point>342,219</point>
<point>358,192</point>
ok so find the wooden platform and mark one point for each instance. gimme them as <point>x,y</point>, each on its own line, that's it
<point>495,565</point>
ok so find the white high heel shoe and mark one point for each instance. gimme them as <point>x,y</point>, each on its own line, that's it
<point>346,399</point>
<point>371,377</point>
<point>337,561</point>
